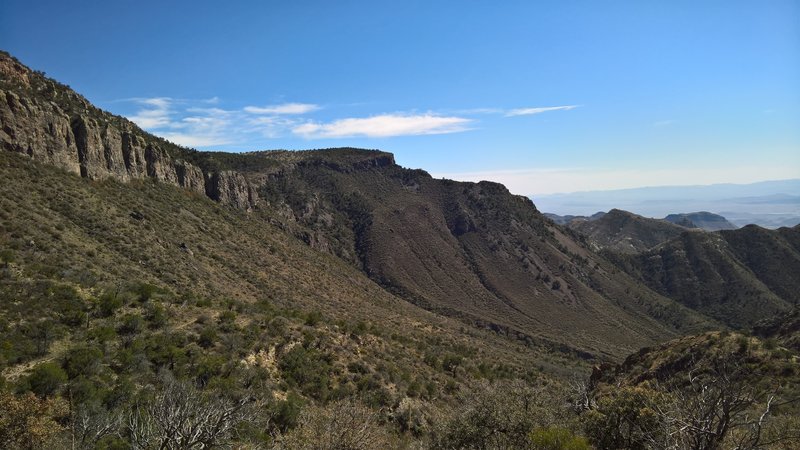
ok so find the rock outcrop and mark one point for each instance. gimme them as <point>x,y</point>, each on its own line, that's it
<point>51,123</point>
<point>231,188</point>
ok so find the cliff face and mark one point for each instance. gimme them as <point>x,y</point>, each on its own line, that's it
<point>50,123</point>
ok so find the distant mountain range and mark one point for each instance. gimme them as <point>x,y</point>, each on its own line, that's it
<point>770,204</point>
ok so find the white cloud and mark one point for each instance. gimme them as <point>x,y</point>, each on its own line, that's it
<point>194,140</point>
<point>538,110</point>
<point>283,109</point>
<point>204,123</point>
<point>381,126</point>
<point>186,125</point>
<point>271,126</point>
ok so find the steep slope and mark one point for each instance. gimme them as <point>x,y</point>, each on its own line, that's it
<point>626,232</point>
<point>738,276</point>
<point>470,250</point>
<point>703,220</point>
<point>60,233</point>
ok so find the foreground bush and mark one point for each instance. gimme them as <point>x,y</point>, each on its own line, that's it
<point>343,425</point>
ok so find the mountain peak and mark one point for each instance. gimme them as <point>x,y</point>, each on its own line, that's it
<point>702,219</point>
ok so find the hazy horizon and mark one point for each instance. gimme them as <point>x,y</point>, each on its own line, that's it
<point>769,204</point>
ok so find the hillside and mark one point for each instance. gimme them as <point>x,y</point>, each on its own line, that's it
<point>108,286</point>
<point>625,232</point>
<point>736,276</point>
<point>287,288</point>
<point>469,251</point>
<point>714,390</point>
<point>703,220</point>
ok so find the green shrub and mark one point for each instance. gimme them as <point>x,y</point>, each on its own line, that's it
<point>313,318</point>
<point>451,362</point>
<point>626,419</point>
<point>46,379</point>
<point>156,315</point>
<point>107,304</point>
<point>144,291</point>
<point>207,337</point>
<point>82,361</point>
<point>306,369</point>
<point>227,321</point>
<point>552,438</point>
<point>287,412</point>
<point>131,324</point>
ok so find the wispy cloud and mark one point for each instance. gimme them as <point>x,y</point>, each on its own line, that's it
<point>663,123</point>
<point>381,126</point>
<point>537,110</point>
<point>283,109</point>
<point>271,126</point>
<point>155,112</point>
<point>204,123</point>
<point>186,125</point>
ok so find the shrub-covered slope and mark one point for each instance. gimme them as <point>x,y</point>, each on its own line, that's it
<point>714,390</point>
<point>735,276</point>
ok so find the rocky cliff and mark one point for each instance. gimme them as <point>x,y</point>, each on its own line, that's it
<point>51,123</point>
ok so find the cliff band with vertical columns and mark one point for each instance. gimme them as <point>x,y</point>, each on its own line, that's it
<point>51,123</point>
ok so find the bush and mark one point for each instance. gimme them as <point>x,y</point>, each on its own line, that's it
<point>451,362</point>
<point>313,318</point>
<point>207,338</point>
<point>156,315</point>
<point>343,425</point>
<point>144,291</point>
<point>501,415</point>
<point>227,321</point>
<point>131,324</point>
<point>82,361</point>
<point>46,379</point>
<point>557,439</point>
<point>286,413</point>
<point>107,304</point>
<point>29,422</point>
<point>307,370</point>
<point>628,419</point>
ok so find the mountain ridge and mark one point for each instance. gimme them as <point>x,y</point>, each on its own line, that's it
<point>736,276</point>
<point>467,250</point>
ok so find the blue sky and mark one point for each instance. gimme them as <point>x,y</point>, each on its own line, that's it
<point>543,96</point>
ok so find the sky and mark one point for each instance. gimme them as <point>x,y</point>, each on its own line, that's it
<point>543,96</point>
